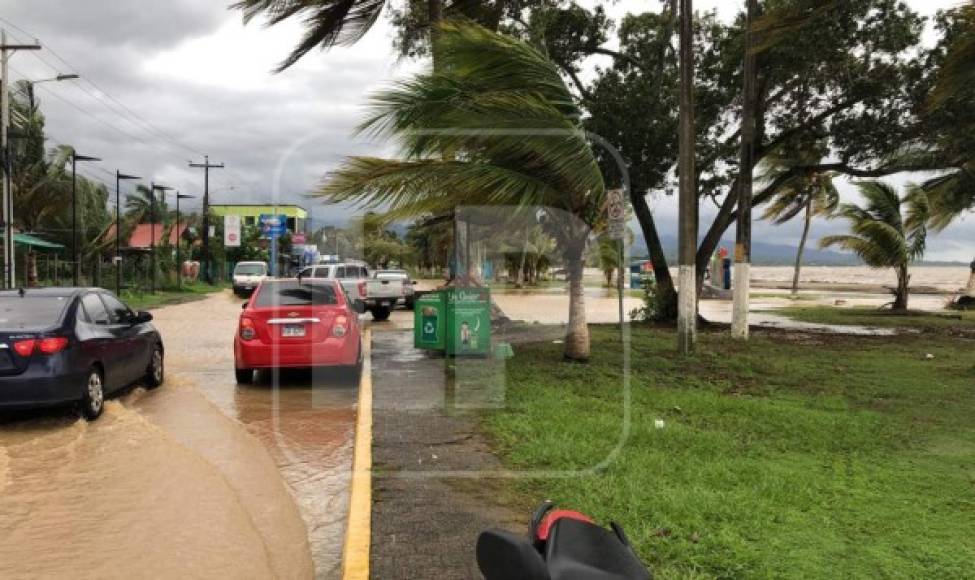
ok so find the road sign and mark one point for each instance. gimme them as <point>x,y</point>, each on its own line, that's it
<point>298,238</point>
<point>231,231</point>
<point>616,212</point>
<point>273,226</point>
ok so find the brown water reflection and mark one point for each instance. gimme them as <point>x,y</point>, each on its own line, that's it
<point>169,485</point>
<point>304,419</point>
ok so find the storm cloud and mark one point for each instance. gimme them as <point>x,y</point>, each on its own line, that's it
<point>165,82</point>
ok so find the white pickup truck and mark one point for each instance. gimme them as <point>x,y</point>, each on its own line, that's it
<point>378,295</point>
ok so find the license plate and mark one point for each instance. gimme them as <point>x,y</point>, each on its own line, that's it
<point>293,330</point>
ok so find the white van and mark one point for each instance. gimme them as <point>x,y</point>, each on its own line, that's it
<point>247,275</point>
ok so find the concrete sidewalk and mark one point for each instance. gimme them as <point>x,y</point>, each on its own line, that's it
<point>428,503</point>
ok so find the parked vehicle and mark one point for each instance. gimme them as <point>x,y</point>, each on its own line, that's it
<point>247,275</point>
<point>379,297</point>
<point>561,545</point>
<point>404,278</point>
<point>73,346</point>
<point>297,324</point>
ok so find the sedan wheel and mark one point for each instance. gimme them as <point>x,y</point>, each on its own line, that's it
<point>93,401</point>
<point>156,372</point>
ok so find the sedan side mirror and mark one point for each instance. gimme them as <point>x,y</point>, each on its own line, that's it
<point>142,317</point>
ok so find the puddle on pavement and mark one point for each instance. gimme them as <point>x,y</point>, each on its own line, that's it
<point>168,484</point>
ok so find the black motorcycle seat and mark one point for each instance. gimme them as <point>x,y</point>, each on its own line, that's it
<point>579,550</point>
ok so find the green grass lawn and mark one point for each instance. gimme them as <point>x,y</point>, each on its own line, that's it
<point>864,316</point>
<point>790,456</point>
<point>189,293</point>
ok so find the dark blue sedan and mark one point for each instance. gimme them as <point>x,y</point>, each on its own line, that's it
<point>62,346</point>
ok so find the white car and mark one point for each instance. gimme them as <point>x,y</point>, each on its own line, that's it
<point>247,275</point>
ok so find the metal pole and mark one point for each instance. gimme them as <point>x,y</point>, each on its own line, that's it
<point>206,220</point>
<point>6,200</point>
<point>118,233</point>
<point>619,284</point>
<point>687,220</point>
<point>179,265</point>
<point>152,238</point>
<point>8,222</point>
<point>74,219</point>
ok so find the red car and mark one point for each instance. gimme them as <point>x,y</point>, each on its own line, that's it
<point>297,324</point>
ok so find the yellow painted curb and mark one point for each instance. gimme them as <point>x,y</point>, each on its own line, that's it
<point>358,532</point>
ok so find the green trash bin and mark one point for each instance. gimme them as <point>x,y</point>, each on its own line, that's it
<point>430,321</point>
<point>468,321</point>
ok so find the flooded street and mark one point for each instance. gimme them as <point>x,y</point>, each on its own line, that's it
<point>200,478</point>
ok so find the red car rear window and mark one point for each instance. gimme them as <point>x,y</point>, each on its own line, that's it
<point>291,293</point>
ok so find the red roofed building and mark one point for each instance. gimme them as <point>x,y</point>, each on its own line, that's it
<point>141,237</point>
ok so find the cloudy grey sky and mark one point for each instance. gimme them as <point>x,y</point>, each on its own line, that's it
<point>165,82</point>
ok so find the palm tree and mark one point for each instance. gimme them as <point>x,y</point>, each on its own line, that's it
<point>884,236</point>
<point>809,194</point>
<point>139,209</point>
<point>534,153</point>
<point>328,23</point>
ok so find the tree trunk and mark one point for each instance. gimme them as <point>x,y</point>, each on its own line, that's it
<point>802,247</point>
<point>520,280</point>
<point>903,289</point>
<point>609,277</point>
<point>688,219</point>
<point>743,241</point>
<point>661,270</point>
<point>577,346</point>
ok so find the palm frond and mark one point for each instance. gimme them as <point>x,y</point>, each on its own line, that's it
<point>327,23</point>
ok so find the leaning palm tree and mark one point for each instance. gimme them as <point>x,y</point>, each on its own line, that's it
<point>139,207</point>
<point>331,23</point>
<point>808,194</point>
<point>883,235</point>
<point>495,126</point>
<point>328,23</point>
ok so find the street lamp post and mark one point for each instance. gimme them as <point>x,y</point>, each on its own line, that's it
<point>57,79</point>
<point>119,177</point>
<point>153,188</point>
<point>179,264</point>
<point>75,158</point>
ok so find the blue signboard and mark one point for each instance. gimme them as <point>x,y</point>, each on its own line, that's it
<point>273,226</point>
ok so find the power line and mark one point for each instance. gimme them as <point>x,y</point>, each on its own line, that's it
<point>135,118</point>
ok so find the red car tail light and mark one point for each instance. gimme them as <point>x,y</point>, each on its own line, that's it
<point>52,345</point>
<point>340,328</point>
<point>363,289</point>
<point>25,347</point>
<point>247,330</point>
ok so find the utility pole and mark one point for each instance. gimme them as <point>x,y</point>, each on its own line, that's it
<point>179,239</point>
<point>743,237</point>
<point>207,166</point>
<point>75,158</point>
<point>687,220</point>
<point>9,254</point>
<point>119,176</point>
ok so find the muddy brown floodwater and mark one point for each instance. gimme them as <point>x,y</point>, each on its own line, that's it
<point>201,478</point>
